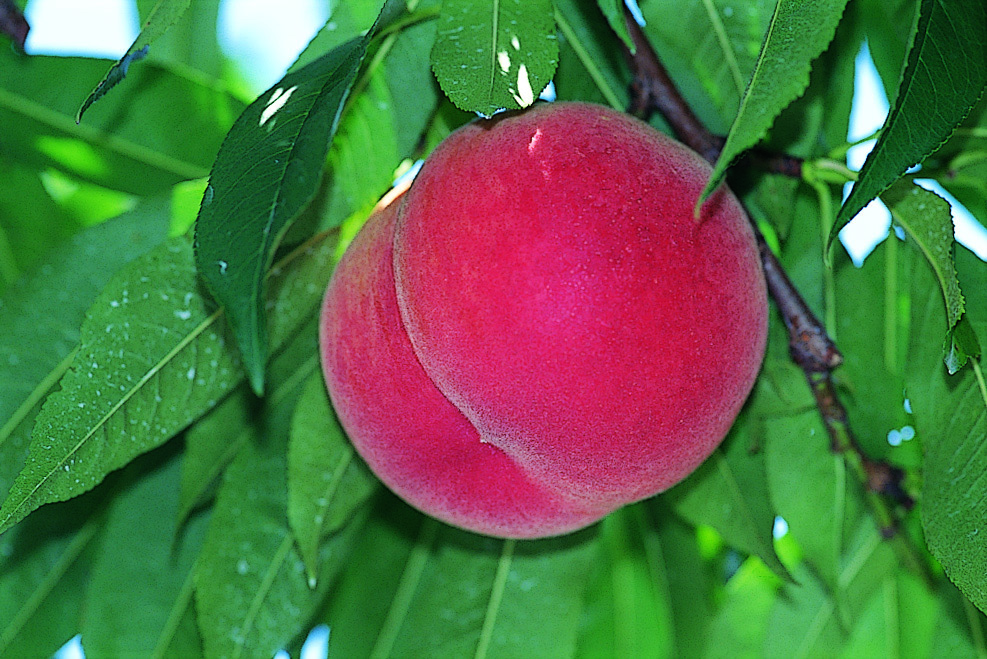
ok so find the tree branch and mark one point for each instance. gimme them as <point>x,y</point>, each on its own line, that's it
<point>810,346</point>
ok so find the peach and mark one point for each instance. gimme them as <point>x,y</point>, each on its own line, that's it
<point>540,331</point>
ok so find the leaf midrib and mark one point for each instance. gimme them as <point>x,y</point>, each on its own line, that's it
<point>87,133</point>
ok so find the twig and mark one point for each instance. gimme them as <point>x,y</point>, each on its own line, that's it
<point>810,346</point>
<point>13,23</point>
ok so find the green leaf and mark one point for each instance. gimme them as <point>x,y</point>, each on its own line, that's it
<point>467,595</point>
<point>628,606</point>
<point>251,589</point>
<point>710,49</point>
<point>131,141</point>
<point>151,359</point>
<point>327,481</point>
<point>943,78</point>
<point>872,332</point>
<point>267,171</point>
<point>730,493</point>
<point>951,420</point>
<point>23,241</point>
<point>162,17</point>
<point>191,40</point>
<point>613,10</point>
<point>804,621</point>
<point>799,31</point>
<point>590,64</point>
<point>163,363</point>
<point>40,317</point>
<point>210,446</point>
<point>808,487</point>
<point>740,624</point>
<point>141,543</point>
<point>44,568</point>
<point>495,54</point>
<point>927,219</point>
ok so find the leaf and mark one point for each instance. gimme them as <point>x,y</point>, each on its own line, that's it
<point>23,241</point>
<point>804,620</point>
<point>327,481</point>
<point>192,41</point>
<point>495,54</point>
<point>44,567</point>
<point>729,492</point>
<point>808,488</point>
<point>467,595</point>
<point>613,10</point>
<point>872,331</point>
<point>251,589</point>
<point>41,313</point>
<point>162,17</point>
<point>628,606</point>
<point>951,420</point>
<point>710,49</point>
<point>141,544</point>
<point>799,31</point>
<point>164,363</point>
<point>267,171</point>
<point>132,141</point>
<point>210,446</point>
<point>590,65</point>
<point>944,76</point>
<point>741,622</point>
<point>150,361</point>
<point>927,219</point>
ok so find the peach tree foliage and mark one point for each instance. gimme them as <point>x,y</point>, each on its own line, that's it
<point>174,480</point>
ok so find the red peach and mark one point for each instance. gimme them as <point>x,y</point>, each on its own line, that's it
<point>540,331</point>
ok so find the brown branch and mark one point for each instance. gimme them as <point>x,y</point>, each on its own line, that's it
<point>810,346</point>
<point>13,23</point>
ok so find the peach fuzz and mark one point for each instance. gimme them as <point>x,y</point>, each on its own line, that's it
<point>540,332</point>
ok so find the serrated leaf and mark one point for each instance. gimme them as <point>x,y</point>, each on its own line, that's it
<point>944,76</point>
<point>798,32</point>
<point>467,595</point>
<point>251,589</point>
<point>927,219</point>
<point>162,17</point>
<point>327,481</point>
<point>951,420</point>
<point>129,140</point>
<point>267,171</point>
<point>40,317</point>
<point>495,54</point>
<point>141,543</point>
<point>729,492</point>
<point>151,360</point>
<point>164,362</point>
